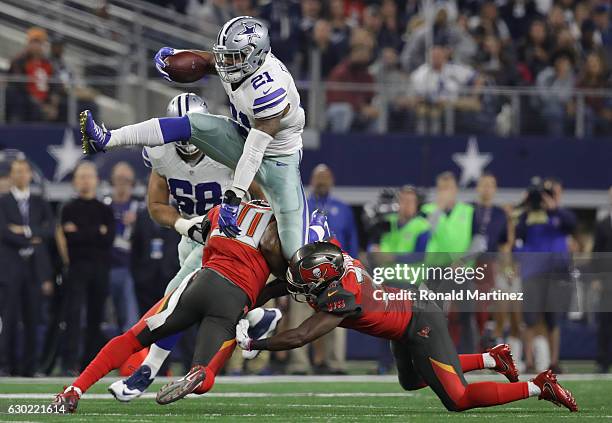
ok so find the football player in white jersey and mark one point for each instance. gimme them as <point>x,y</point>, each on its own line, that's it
<point>181,172</point>
<point>263,142</point>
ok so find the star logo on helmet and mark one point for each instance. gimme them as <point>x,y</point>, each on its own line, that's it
<point>249,31</point>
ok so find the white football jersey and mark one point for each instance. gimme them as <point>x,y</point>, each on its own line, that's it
<point>264,94</point>
<point>197,187</point>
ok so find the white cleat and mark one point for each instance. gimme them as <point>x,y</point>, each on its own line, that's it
<point>126,390</point>
<point>262,322</point>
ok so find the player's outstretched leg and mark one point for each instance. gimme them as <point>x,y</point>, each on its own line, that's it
<point>157,131</point>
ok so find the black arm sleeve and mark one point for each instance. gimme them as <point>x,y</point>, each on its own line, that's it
<point>335,299</point>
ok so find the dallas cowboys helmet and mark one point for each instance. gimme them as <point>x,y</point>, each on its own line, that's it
<point>241,48</point>
<point>178,107</point>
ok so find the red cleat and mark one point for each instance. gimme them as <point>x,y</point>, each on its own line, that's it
<point>504,363</point>
<point>66,401</point>
<point>552,391</point>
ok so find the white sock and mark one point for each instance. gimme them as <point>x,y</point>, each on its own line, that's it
<point>144,133</point>
<point>489,362</point>
<point>155,359</point>
<point>534,391</point>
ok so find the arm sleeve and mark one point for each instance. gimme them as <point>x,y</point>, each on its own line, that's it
<point>337,300</point>
<point>254,148</point>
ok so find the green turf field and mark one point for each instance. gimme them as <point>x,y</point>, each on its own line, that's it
<point>367,399</point>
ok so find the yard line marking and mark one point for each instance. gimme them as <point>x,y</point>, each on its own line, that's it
<point>228,395</point>
<point>485,376</point>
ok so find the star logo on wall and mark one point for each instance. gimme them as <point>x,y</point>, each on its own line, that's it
<point>67,155</point>
<point>472,162</point>
<point>249,30</point>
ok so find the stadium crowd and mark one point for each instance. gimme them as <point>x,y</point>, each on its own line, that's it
<point>78,273</point>
<point>472,46</point>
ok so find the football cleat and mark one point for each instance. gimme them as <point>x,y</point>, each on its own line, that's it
<point>67,400</point>
<point>178,389</point>
<point>134,386</point>
<point>552,391</point>
<point>261,326</point>
<point>318,229</point>
<point>504,362</point>
<point>94,137</point>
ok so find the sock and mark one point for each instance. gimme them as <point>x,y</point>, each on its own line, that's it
<point>110,357</point>
<point>151,132</point>
<point>486,394</point>
<point>215,364</point>
<point>534,390</point>
<point>155,359</point>
<point>316,233</point>
<point>489,362</point>
<point>471,362</point>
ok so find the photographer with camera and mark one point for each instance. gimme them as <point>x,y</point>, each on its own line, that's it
<point>542,234</point>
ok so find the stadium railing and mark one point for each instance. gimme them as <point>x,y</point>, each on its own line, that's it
<point>145,97</point>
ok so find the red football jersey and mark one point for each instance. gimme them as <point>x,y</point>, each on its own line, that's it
<point>354,296</point>
<point>239,259</point>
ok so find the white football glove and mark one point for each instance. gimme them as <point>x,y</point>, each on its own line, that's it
<point>242,335</point>
<point>191,228</point>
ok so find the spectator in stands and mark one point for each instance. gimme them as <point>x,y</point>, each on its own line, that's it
<point>497,62</point>
<point>320,41</point>
<point>556,87</point>
<point>26,227</point>
<point>601,17</point>
<point>518,14</point>
<point>283,20</point>
<point>86,237</point>
<point>243,8</point>
<point>415,51</point>
<point>603,244</point>
<point>490,23</point>
<point>564,41</point>
<point>125,207</point>
<point>178,5</point>
<point>395,86</point>
<point>439,83</point>
<point>35,99</point>
<point>215,12</point>
<point>392,26</point>
<point>598,110</point>
<point>556,20</point>
<point>544,227</point>
<point>153,260</point>
<point>534,50</point>
<point>349,109</point>
<point>341,31</point>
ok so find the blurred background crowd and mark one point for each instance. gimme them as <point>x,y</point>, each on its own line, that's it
<point>424,66</point>
<point>81,259</point>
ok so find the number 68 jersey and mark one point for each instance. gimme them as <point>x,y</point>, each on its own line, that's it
<point>265,94</point>
<point>196,187</point>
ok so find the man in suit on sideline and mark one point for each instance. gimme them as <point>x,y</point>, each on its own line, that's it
<point>26,226</point>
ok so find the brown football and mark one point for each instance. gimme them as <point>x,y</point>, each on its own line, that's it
<point>186,66</point>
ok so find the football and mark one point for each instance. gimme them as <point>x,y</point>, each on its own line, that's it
<point>185,66</point>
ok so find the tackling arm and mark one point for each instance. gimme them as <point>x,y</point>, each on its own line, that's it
<point>312,328</point>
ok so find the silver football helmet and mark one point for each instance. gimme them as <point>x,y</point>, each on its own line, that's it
<point>178,107</point>
<point>241,48</point>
